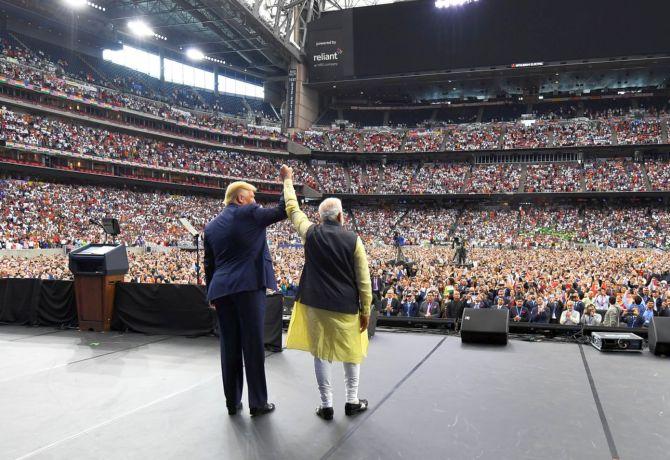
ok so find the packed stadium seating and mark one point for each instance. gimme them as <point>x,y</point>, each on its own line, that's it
<point>24,129</point>
<point>29,219</point>
<point>149,217</point>
<point>123,87</point>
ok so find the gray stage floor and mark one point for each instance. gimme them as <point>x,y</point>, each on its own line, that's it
<point>71,395</point>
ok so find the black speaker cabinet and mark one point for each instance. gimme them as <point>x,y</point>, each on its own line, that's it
<point>484,326</point>
<point>659,335</point>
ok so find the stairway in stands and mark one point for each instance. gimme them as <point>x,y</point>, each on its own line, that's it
<point>466,179</point>
<point>98,74</point>
<point>647,181</point>
<point>353,220</point>
<point>522,180</point>
<point>312,172</point>
<point>347,177</point>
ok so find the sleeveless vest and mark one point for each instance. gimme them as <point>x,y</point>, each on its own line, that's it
<point>328,279</point>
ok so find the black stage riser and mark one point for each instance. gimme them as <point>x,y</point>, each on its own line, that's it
<point>172,309</point>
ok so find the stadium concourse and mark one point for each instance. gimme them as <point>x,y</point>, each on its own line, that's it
<point>545,151</point>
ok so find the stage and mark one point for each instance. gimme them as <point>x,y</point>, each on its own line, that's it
<point>66,394</point>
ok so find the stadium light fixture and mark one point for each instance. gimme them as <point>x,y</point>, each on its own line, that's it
<point>75,3</point>
<point>140,28</point>
<point>82,3</point>
<point>195,54</point>
<point>451,3</point>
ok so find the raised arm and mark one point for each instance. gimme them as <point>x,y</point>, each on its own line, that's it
<point>298,218</point>
<point>269,216</point>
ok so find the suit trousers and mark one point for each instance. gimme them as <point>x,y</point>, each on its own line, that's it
<point>241,326</point>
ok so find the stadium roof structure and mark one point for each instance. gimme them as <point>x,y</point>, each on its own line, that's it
<point>252,29</point>
<point>258,36</point>
<point>227,30</point>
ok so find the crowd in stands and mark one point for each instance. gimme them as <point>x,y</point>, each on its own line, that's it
<point>37,214</point>
<point>549,132</point>
<point>392,177</point>
<point>175,103</point>
<point>428,225</point>
<point>345,141</point>
<point>549,227</point>
<point>570,287</point>
<point>376,224</point>
<point>383,141</point>
<point>331,177</point>
<point>589,287</point>
<point>315,140</point>
<point>553,177</point>
<point>626,228</point>
<point>423,140</point>
<point>582,133</point>
<point>499,178</point>
<point>614,175</point>
<point>602,123</point>
<point>533,254</point>
<point>59,135</point>
<point>397,177</point>
<point>521,136</point>
<point>475,136</point>
<point>440,178</point>
<point>659,174</point>
<point>636,131</point>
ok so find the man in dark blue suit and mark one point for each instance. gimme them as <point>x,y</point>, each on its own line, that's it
<point>238,270</point>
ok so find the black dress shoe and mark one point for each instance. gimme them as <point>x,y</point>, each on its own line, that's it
<point>266,409</point>
<point>325,413</point>
<point>232,410</point>
<point>353,409</point>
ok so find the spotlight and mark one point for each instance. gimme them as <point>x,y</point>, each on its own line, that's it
<point>450,3</point>
<point>75,3</point>
<point>140,28</point>
<point>82,3</point>
<point>195,54</point>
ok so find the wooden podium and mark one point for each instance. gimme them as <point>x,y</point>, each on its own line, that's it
<point>97,268</point>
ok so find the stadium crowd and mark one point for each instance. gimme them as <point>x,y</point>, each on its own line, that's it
<point>639,128</point>
<point>36,214</point>
<point>178,104</point>
<point>31,130</point>
<point>553,177</point>
<point>589,286</point>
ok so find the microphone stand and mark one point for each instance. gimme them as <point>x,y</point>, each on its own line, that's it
<point>196,240</point>
<point>95,222</point>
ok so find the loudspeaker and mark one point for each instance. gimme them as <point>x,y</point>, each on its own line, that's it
<point>659,335</point>
<point>484,325</point>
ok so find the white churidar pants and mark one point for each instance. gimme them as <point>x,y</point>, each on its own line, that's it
<point>324,372</point>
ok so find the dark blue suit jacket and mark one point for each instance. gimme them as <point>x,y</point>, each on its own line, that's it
<point>237,257</point>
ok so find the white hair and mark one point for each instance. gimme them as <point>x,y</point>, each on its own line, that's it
<point>329,209</point>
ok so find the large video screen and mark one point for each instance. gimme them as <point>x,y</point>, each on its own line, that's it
<point>416,36</point>
<point>330,47</point>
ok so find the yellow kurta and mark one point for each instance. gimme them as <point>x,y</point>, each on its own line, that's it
<point>325,334</point>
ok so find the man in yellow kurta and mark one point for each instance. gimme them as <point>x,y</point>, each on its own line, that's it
<point>332,307</point>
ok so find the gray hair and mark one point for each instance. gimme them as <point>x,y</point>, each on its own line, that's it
<point>329,209</point>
